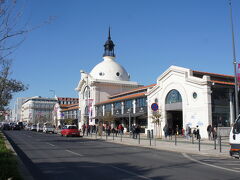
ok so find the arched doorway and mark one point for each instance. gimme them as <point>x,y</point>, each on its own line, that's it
<point>173,106</point>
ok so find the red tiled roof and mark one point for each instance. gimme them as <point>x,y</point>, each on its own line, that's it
<point>214,74</point>
<point>71,108</point>
<point>67,105</point>
<point>132,96</point>
<point>132,90</point>
<point>223,82</point>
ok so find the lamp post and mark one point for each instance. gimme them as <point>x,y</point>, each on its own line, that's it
<point>51,90</point>
<point>234,61</point>
<point>129,120</point>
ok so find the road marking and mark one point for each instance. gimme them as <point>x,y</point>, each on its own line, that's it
<point>131,173</point>
<point>50,144</point>
<point>74,153</point>
<point>219,167</point>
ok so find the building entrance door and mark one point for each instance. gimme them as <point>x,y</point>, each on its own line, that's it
<point>175,122</point>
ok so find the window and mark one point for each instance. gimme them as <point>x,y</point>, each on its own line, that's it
<point>86,93</point>
<point>173,97</point>
<point>108,107</point>
<point>141,102</point>
<point>117,105</point>
<point>128,104</point>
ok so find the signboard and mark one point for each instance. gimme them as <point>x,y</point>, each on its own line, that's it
<point>154,106</point>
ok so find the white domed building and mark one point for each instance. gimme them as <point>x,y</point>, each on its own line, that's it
<point>106,78</point>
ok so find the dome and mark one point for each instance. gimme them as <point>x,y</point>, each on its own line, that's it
<point>109,69</point>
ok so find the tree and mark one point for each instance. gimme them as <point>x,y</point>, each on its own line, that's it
<point>11,36</point>
<point>8,86</point>
<point>157,120</point>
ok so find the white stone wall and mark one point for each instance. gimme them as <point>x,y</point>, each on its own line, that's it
<point>195,111</point>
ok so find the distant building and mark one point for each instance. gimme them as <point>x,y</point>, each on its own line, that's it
<point>17,110</point>
<point>38,110</point>
<point>65,108</point>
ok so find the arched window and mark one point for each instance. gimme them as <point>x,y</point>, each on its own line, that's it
<point>86,110</point>
<point>173,97</point>
<point>86,93</point>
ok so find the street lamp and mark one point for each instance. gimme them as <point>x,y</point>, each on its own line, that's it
<point>129,119</point>
<point>51,90</point>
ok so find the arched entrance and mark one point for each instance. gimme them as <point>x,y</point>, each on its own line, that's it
<point>173,106</point>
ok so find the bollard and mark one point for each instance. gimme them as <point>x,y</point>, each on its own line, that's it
<point>113,136</point>
<point>106,135</point>
<point>199,143</point>
<point>96,135</point>
<point>139,138</point>
<point>175,139</point>
<point>150,141</point>
<point>220,144</point>
<point>215,144</point>
<point>121,137</point>
<point>192,139</point>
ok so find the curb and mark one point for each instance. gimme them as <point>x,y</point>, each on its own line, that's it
<point>25,174</point>
<point>167,149</point>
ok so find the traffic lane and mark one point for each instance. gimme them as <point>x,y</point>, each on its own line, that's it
<point>47,166</point>
<point>223,162</point>
<point>128,161</point>
<point>115,153</point>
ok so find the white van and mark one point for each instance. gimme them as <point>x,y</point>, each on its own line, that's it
<point>48,128</point>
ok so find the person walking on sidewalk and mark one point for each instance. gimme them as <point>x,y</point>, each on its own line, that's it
<point>209,130</point>
<point>198,132</point>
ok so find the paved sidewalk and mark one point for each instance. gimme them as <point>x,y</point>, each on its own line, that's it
<point>183,145</point>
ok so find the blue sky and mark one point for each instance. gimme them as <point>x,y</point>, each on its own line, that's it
<point>150,36</point>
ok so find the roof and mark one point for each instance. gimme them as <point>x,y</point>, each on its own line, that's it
<point>67,99</point>
<point>70,107</point>
<point>133,96</point>
<point>132,91</point>
<point>214,74</point>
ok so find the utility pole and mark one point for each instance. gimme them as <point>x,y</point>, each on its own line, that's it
<point>234,63</point>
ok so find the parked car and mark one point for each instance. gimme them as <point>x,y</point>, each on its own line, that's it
<point>48,128</point>
<point>34,127</point>
<point>70,130</point>
<point>6,127</point>
<point>39,127</point>
<point>16,127</point>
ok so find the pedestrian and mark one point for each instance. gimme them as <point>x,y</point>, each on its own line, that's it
<point>198,133</point>
<point>214,133</point>
<point>209,130</point>
<point>83,128</point>
<point>165,129</point>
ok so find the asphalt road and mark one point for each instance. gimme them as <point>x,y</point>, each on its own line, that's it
<point>50,156</point>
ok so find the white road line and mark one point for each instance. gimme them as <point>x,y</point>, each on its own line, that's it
<point>131,173</point>
<point>74,153</point>
<point>219,167</point>
<point>50,144</point>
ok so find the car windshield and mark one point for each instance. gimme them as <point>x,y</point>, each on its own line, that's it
<point>236,126</point>
<point>72,127</point>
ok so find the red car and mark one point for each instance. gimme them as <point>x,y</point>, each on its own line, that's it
<point>70,130</point>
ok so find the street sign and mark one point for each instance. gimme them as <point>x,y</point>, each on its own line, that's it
<point>154,106</point>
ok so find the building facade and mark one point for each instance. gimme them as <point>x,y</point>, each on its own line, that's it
<point>65,108</point>
<point>37,110</point>
<point>184,97</point>
<point>106,78</point>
